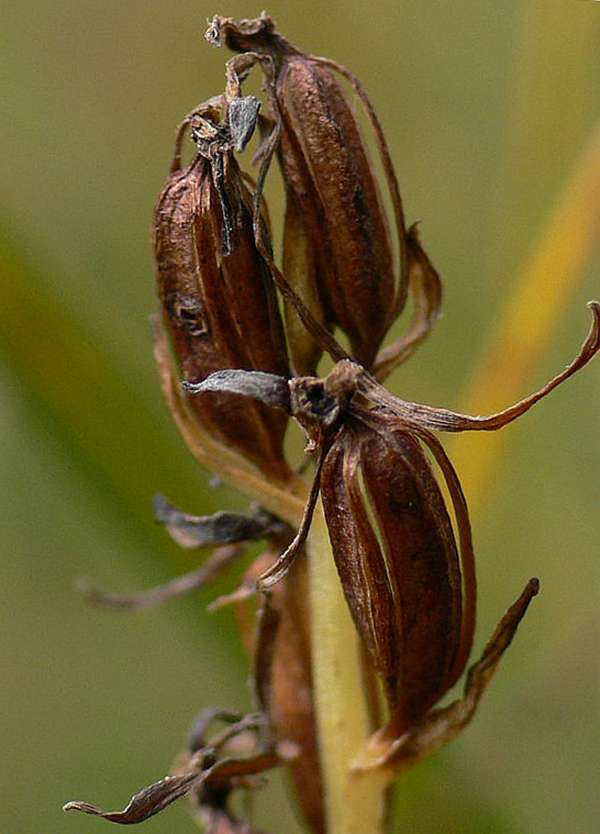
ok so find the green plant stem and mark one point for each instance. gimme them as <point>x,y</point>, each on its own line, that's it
<point>354,803</point>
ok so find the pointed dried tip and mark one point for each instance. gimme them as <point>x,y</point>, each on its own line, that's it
<point>270,389</point>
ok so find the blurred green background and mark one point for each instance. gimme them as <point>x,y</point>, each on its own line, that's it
<point>487,107</point>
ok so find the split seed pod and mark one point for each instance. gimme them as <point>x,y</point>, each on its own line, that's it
<point>398,563</point>
<point>338,253</point>
<point>409,586</point>
<point>217,294</point>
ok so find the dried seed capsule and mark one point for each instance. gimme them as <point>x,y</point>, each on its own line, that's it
<point>335,203</point>
<point>221,309</point>
<point>398,562</point>
<point>411,597</point>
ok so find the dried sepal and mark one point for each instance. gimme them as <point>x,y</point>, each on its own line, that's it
<point>440,726</point>
<point>426,291</point>
<point>217,563</point>
<point>441,419</point>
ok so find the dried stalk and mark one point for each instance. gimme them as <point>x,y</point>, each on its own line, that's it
<point>354,802</point>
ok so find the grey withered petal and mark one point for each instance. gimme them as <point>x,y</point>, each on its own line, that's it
<point>147,802</point>
<point>195,531</point>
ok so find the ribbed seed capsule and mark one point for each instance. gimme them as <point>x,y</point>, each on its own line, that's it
<point>398,562</point>
<point>220,309</point>
<point>329,179</point>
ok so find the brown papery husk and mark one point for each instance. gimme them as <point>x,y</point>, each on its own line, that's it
<point>396,554</point>
<point>326,167</point>
<point>344,215</point>
<point>291,707</point>
<point>220,310</point>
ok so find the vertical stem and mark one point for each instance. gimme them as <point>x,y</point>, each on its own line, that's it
<point>354,803</point>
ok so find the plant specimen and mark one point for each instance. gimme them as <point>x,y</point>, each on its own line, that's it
<point>236,370</point>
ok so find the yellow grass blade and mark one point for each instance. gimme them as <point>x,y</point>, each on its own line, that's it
<point>525,327</point>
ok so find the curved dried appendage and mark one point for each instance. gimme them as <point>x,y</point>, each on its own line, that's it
<point>215,565</point>
<point>443,725</point>
<point>284,562</point>
<point>441,419</point>
<point>203,773</point>
<point>426,289</point>
<point>195,531</point>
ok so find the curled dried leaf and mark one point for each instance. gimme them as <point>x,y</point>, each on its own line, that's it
<point>210,773</point>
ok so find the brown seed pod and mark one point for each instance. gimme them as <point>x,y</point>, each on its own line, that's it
<point>289,695</point>
<point>411,597</point>
<point>335,218</point>
<point>398,563</point>
<point>219,301</point>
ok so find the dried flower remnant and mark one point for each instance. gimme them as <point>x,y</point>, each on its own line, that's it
<point>411,597</point>
<point>209,774</point>
<point>338,254</point>
<point>217,293</point>
<point>290,702</point>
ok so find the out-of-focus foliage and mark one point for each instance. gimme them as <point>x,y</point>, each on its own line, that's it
<point>487,108</point>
